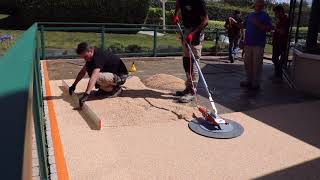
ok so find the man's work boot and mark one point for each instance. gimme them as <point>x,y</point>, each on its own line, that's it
<point>97,86</point>
<point>181,93</point>
<point>101,92</point>
<point>117,90</point>
<point>186,98</point>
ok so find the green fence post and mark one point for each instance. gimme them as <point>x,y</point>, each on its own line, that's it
<point>155,41</point>
<point>43,53</point>
<point>216,43</point>
<point>102,37</point>
<point>39,124</point>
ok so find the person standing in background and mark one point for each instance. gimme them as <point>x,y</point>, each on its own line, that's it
<point>257,24</point>
<point>279,42</point>
<point>233,30</point>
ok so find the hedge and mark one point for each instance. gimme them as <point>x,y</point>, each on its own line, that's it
<point>155,16</point>
<point>220,12</point>
<point>107,11</point>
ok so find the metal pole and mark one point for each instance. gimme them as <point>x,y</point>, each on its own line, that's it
<point>216,43</point>
<point>102,37</point>
<point>164,14</point>
<point>155,41</point>
<point>42,40</point>
<point>298,22</point>
<point>291,18</point>
<point>313,28</point>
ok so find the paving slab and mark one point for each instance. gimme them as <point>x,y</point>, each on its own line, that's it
<point>222,77</point>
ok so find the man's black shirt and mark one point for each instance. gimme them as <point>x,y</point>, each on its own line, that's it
<point>192,11</point>
<point>106,62</point>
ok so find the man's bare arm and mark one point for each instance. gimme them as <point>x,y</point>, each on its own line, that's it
<point>203,24</point>
<point>177,11</point>
<point>92,80</point>
<point>80,75</point>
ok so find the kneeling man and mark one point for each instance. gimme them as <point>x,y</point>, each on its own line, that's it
<point>107,72</point>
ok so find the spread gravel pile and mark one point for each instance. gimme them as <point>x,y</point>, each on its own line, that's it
<point>139,105</point>
<point>164,82</point>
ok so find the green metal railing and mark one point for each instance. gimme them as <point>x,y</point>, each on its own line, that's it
<point>104,28</point>
<point>21,103</point>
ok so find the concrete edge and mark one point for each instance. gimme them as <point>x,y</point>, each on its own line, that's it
<point>57,164</point>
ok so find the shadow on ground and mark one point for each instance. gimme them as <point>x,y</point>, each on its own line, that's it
<point>307,170</point>
<point>264,105</point>
<point>12,133</point>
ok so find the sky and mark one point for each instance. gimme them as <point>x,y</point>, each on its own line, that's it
<point>288,1</point>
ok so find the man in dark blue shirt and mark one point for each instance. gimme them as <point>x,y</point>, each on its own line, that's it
<point>257,24</point>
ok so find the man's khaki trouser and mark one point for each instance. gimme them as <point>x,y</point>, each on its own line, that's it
<point>253,62</point>
<point>197,53</point>
<point>106,81</point>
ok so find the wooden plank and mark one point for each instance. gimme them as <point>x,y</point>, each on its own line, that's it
<point>94,121</point>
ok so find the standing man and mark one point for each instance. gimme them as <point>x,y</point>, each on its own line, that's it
<point>195,19</point>
<point>279,42</point>
<point>257,24</point>
<point>233,30</point>
<point>106,71</point>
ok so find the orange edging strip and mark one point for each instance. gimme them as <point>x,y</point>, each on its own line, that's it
<point>62,171</point>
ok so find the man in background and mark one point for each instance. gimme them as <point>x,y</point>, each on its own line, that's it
<point>257,24</point>
<point>279,42</point>
<point>233,30</point>
<point>195,19</point>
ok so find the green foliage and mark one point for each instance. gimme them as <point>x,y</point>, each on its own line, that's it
<point>107,11</point>
<point>220,12</point>
<point>133,48</point>
<point>155,16</point>
<point>116,48</point>
<point>215,24</point>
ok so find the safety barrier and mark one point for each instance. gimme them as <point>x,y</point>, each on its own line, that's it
<point>104,28</point>
<point>21,108</point>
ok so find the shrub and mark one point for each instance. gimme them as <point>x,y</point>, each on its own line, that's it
<point>155,16</point>
<point>215,24</point>
<point>220,12</point>
<point>133,48</point>
<point>116,48</point>
<point>107,11</point>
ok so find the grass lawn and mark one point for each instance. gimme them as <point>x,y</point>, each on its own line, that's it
<point>268,49</point>
<point>67,40</point>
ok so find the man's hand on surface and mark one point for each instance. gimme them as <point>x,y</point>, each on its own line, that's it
<point>83,99</point>
<point>72,89</point>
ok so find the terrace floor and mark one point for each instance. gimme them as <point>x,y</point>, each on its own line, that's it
<point>280,139</point>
